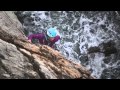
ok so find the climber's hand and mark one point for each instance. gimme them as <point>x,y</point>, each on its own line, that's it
<point>29,41</point>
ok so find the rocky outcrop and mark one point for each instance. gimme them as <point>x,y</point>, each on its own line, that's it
<point>107,48</point>
<point>20,59</point>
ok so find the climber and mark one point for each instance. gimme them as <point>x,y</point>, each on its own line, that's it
<point>49,38</point>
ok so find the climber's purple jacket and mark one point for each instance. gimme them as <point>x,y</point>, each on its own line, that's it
<point>42,40</point>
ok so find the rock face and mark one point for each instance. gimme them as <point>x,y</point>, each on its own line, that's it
<point>107,48</point>
<point>20,59</point>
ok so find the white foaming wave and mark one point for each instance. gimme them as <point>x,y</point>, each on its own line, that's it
<point>40,13</point>
<point>84,19</point>
<point>90,39</point>
<point>68,47</point>
<point>96,63</point>
<point>42,16</point>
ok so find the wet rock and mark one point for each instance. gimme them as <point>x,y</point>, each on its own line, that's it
<point>47,13</point>
<point>112,58</point>
<point>109,48</point>
<point>92,31</point>
<point>77,14</point>
<point>76,48</point>
<point>104,27</point>
<point>111,73</point>
<point>76,25</point>
<point>54,14</point>
<point>107,60</point>
<point>93,49</point>
<point>22,16</point>
<point>84,59</point>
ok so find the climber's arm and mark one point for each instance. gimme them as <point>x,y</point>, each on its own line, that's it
<point>34,36</point>
<point>57,39</point>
